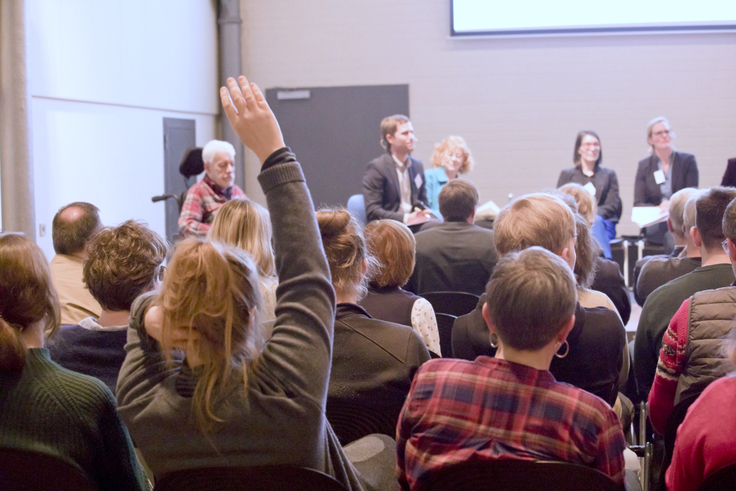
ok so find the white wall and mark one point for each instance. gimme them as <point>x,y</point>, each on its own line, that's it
<point>103,76</point>
<point>518,102</point>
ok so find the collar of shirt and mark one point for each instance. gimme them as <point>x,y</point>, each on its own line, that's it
<point>402,166</point>
<point>227,192</point>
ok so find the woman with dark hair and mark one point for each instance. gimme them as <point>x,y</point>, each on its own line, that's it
<point>394,247</point>
<point>373,361</point>
<point>44,407</point>
<point>599,181</point>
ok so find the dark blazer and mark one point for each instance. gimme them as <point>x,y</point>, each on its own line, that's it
<point>729,177</point>
<point>455,257</point>
<point>381,188</point>
<point>373,362</point>
<point>646,189</point>
<point>597,342</point>
<point>606,189</point>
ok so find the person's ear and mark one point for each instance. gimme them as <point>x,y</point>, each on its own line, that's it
<point>731,250</point>
<point>670,227</point>
<point>207,167</point>
<point>695,235</point>
<point>566,328</point>
<point>364,267</point>
<point>487,317</point>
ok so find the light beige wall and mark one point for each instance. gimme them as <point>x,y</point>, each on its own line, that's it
<point>518,102</point>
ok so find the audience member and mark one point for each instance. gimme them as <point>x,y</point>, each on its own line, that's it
<point>586,251</point>
<point>73,227</point>
<point>450,158</point>
<point>510,406</point>
<point>598,337</point>
<point>44,407</point>
<point>373,361</point>
<point>692,354</point>
<point>662,174</point>
<point>607,277</point>
<point>456,255</point>
<point>216,188</point>
<point>651,272</point>
<point>246,224</point>
<point>394,185</point>
<point>663,303</point>
<point>122,262</point>
<point>705,438</point>
<point>393,246</point>
<point>228,402</point>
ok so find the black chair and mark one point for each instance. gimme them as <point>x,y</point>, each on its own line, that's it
<point>444,325</point>
<point>351,420</point>
<point>191,166</point>
<point>23,470</point>
<point>724,479</point>
<point>256,478</point>
<point>518,475</point>
<point>453,303</point>
<point>670,433</point>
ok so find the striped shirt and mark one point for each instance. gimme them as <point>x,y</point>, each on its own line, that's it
<point>459,410</point>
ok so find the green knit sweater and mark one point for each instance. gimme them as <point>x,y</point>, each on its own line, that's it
<point>49,409</point>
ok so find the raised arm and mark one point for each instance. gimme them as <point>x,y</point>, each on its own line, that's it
<point>298,355</point>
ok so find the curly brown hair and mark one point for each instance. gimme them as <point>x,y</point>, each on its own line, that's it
<point>123,262</point>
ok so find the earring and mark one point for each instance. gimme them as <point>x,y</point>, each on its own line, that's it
<point>567,350</point>
<point>494,341</point>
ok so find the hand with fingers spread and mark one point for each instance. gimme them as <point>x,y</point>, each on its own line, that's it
<point>250,117</point>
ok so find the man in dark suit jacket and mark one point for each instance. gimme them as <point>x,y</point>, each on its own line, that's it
<point>393,185</point>
<point>456,255</point>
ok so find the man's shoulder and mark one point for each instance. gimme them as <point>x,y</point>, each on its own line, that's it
<point>682,287</point>
<point>726,295</point>
<point>200,188</point>
<point>381,161</point>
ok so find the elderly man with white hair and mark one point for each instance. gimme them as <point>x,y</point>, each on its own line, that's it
<point>215,189</point>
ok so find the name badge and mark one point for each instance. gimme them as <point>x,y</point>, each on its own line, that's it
<point>659,177</point>
<point>590,188</point>
<point>418,180</point>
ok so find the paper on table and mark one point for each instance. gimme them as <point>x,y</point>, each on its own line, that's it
<point>487,211</point>
<point>645,216</point>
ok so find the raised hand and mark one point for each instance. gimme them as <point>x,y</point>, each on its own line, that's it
<point>250,117</point>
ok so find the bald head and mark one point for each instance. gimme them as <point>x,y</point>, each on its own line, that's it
<point>74,225</point>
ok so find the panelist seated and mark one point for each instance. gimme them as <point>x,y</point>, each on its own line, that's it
<point>600,182</point>
<point>510,406</point>
<point>215,189</point>
<point>394,184</point>
<point>662,174</point>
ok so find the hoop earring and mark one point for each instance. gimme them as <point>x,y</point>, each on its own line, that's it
<point>567,350</point>
<point>494,341</point>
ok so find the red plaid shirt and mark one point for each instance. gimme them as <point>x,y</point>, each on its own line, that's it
<point>494,409</point>
<point>198,210</point>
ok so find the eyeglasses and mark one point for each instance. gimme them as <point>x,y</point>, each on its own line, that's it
<point>661,133</point>
<point>724,244</point>
<point>590,145</point>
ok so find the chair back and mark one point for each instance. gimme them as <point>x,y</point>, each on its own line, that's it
<point>724,479</point>
<point>257,478</point>
<point>356,207</point>
<point>518,475</point>
<point>24,470</point>
<point>453,303</point>
<point>352,420</point>
<point>444,325</point>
